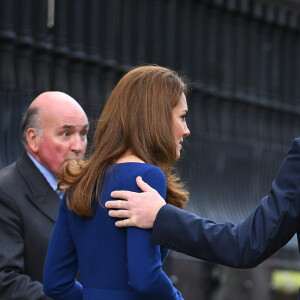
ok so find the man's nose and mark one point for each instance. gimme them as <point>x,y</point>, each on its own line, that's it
<point>78,144</point>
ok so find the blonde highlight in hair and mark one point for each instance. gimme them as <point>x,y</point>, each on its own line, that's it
<point>136,116</point>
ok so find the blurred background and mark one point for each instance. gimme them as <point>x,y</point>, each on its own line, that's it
<point>241,59</point>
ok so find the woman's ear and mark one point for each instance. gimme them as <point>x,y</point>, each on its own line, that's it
<point>33,139</point>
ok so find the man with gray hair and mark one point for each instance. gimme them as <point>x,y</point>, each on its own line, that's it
<point>54,130</point>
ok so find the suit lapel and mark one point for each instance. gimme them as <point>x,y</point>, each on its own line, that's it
<point>47,203</point>
<point>40,192</point>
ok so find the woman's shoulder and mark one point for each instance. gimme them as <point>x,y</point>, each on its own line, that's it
<point>151,169</point>
<point>143,169</point>
<point>153,176</point>
<point>122,176</point>
<point>147,171</point>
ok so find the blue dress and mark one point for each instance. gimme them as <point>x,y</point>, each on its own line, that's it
<point>113,263</point>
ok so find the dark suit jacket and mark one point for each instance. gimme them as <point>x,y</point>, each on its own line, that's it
<point>269,227</point>
<point>28,211</point>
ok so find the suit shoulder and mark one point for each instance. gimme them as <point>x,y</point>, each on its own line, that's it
<point>296,144</point>
<point>9,176</point>
<point>13,183</point>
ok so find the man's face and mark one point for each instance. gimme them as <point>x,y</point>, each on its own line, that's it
<point>64,137</point>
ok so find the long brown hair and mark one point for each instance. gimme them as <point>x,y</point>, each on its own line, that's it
<point>136,116</point>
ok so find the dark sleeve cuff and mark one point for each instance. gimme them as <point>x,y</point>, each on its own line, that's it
<point>163,227</point>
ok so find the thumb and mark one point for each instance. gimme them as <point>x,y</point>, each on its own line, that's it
<point>143,185</point>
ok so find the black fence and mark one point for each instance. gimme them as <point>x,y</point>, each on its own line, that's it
<point>241,58</point>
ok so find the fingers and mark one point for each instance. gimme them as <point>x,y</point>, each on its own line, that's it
<point>143,185</point>
<point>116,204</point>
<point>119,214</point>
<point>122,214</point>
<point>121,194</point>
<point>124,223</point>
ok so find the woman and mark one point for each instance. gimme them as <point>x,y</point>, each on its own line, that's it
<point>140,133</point>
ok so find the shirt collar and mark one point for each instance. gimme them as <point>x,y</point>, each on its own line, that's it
<point>52,180</point>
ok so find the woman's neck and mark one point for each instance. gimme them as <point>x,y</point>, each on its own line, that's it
<point>128,156</point>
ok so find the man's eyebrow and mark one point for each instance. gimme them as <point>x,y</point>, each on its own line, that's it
<point>67,126</point>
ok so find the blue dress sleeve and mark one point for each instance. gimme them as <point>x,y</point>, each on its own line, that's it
<point>61,266</point>
<point>144,258</point>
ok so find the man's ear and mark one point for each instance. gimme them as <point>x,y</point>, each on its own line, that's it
<point>33,139</point>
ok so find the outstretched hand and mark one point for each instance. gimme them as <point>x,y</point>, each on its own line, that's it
<point>136,209</point>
